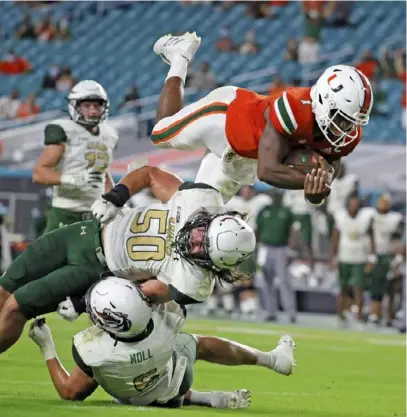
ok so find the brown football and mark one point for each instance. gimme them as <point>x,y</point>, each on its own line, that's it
<point>303,159</point>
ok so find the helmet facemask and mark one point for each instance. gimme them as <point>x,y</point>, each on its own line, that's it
<point>342,100</point>
<point>75,112</point>
<point>182,246</point>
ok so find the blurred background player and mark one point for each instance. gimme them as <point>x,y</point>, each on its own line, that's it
<point>344,185</point>
<point>302,211</point>
<point>274,224</point>
<point>353,227</point>
<point>387,226</point>
<point>77,155</point>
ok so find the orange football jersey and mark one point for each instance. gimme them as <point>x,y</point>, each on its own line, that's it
<point>290,113</point>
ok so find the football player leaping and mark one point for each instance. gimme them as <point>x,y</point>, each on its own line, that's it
<point>137,354</point>
<point>247,134</point>
<point>185,243</point>
<point>76,156</point>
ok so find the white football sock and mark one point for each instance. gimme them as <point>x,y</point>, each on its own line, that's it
<point>200,398</point>
<point>179,67</point>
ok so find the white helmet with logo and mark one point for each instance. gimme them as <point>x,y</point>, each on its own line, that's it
<point>228,240</point>
<point>119,307</point>
<point>87,90</point>
<point>342,100</point>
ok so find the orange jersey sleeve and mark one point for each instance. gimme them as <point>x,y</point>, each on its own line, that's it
<point>291,115</point>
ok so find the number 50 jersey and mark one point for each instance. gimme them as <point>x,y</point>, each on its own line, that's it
<point>142,241</point>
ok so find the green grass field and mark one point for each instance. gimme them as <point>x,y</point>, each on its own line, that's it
<point>338,374</point>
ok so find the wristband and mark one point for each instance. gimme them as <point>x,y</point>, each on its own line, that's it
<point>315,204</point>
<point>118,195</point>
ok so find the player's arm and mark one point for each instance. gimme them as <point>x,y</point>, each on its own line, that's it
<point>54,141</point>
<point>44,170</point>
<point>109,182</point>
<point>162,184</point>
<point>273,149</point>
<point>76,386</point>
<point>157,291</point>
<point>73,387</point>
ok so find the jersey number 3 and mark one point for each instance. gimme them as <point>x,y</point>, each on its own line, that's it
<point>148,247</point>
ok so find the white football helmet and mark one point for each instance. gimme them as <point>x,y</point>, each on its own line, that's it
<point>119,307</point>
<point>83,91</point>
<point>342,100</point>
<point>228,240</point>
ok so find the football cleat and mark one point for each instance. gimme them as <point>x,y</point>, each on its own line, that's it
<point>239,399</point>
<point>283,356</point>
<point>169,46</point>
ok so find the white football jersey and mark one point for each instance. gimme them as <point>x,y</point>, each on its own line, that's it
<point>295,201</point>
<point>384,226</point>
<point>250,207</point>
<point>353,235</point>
<point>341,188</point>
<point>142,241</point>
<point>137,372</point>
<point>83,151</point>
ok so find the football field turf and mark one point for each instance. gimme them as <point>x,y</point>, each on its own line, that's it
<point>338,374</point>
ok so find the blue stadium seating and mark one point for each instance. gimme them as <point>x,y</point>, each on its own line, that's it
<point>115,48</point>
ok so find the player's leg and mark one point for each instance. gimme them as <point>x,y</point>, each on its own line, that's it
<point>344,271</point>
<point>42,296</point>
<point>358,285</point>
<point>378,287</point>
<point>177,51</point>
<point>288,294</point>
<point>41,277</point>
<point>187,346</point>
<point>57,218</point>
<point>41,257</point>
<point>264,281</point>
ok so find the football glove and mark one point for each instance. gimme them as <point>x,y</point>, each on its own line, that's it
<point>104,211</point>
<point>41,334</point>
<point>70,309</point>
<point>84,178</point>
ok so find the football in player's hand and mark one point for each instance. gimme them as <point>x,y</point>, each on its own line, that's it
<point>305,160</point>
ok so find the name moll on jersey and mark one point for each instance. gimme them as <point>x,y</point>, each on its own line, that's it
<point>140,356</point>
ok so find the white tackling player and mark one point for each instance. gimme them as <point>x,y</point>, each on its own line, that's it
<point>353,229</point>
<point>137,354</point>
<point>77,154</point>
<point>185,243</point>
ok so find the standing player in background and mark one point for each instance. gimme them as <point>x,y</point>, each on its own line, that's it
<point>294,200</point>
<point>353,227</point>
<point>387,225</point>
<point>274,224</point>
<point>77,155</point>
<point>247,134</point>
<point>344,185</point>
